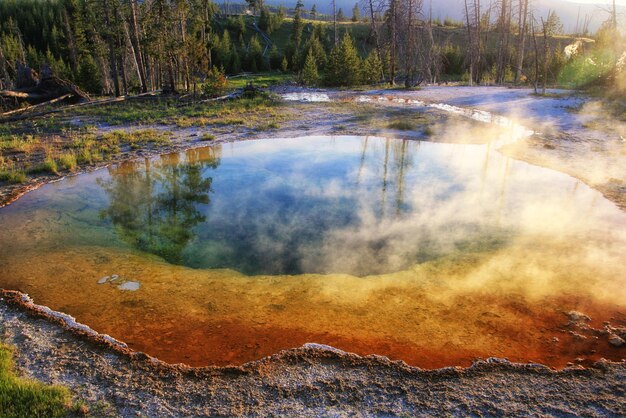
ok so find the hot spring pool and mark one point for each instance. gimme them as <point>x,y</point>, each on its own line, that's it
<point>430,253</point>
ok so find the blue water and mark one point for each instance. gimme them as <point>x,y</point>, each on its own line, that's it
<point>307,205</point>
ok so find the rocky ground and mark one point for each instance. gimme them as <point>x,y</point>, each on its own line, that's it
<point>572,134</point>
<point>308,381</point>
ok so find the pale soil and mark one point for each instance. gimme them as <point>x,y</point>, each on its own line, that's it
<point>575,137</point>
<point>573,133</point>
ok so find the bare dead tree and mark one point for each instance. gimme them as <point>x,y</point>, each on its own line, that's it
<point>135,41</point>
<point>521,38</point>
<point>431,60</point>
<point>71,43</point>
<point>614,16</point>
<point>409,43</point>
<point>121,48</point>
<point>111,44</point>
<point>335,23</point>
<point>504,32</point>
<point>473,22</point>
<point>393,10</point>
<point>536,48</point>
<point>374,30</point>
<point>546,51</point>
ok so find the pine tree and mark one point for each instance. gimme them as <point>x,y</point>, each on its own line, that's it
<point>356,13</point>
<point>372,68</point>
<point>340,15</point>
<point>351,71</point>
<point>318,52</point>
<point>275,58</point>
<point>334,67</point>
<point>265,20</point>
<point>344,65</point>
<point>298,26</point>
<point>284,65</point>
<point>310,75</point>
<point>224,50</point>
<point>256,54</point>
<point>88,76</point>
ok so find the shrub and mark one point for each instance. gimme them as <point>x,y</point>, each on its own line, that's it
<point>401,125</point>
<point>47,166</point>
<point>68,161</point>
<point>216,82</point>
<point>12,176</point>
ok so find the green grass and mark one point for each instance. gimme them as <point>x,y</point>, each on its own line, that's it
<point>12,176</point>
<point>401,125</point>
<point>260,80</point>
<point>207,137</point>
<point>17,143</point>
<point>49,165</point>
<point>166,112</point>
<point>20,397</point>
<point>67,161</point>
<point>137,138</point>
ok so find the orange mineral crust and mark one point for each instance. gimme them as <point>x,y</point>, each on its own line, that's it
<point>435,254</point>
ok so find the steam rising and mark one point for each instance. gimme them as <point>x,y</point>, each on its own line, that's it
<point>455,249</point>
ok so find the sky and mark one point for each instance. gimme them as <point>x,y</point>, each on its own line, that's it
<point>570,11</point>
<point>617,2</point>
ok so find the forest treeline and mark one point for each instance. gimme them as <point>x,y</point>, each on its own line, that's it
<point>127,46</point>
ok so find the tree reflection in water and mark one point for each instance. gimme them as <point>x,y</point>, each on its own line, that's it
<point>153,204</point>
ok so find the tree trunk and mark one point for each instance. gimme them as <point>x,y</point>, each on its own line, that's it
<point>136,43</point>
<point>170,74</point>
<point>335,22</point>
<point>111,44</point>
<point>392,16</point>
<point>470,44</point>
<point>501,42</point>
<point>614,16</point>
<point>532,28</point>
<point>430,57</point>
<point>71,43</point>
<point>546,52</point>
<point>521,46</point>
<point>133,54</point>
<point>185,63</point>
<point>4,74</point>
<point>408,78</point>
<point>375,34</point>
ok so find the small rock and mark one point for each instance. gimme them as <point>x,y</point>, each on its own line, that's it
<point>103,280</point>
<point>114,277</point>
<point>576,316</point>
<point>130,286</point>
<point>578,336</point>
<point>616,340</point>
<point>555,339</point>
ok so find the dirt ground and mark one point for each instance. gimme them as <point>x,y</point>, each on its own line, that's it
<point>571,133</point>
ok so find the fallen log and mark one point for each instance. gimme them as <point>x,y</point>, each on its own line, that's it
<point>48,87</point>
<point>29,108</point>
<point>12,93</point>
<point>82,104</point>
<point>213,99</point>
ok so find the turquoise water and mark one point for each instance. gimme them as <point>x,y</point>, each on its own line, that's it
<point>353,205</point>
<point>482,255</point>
